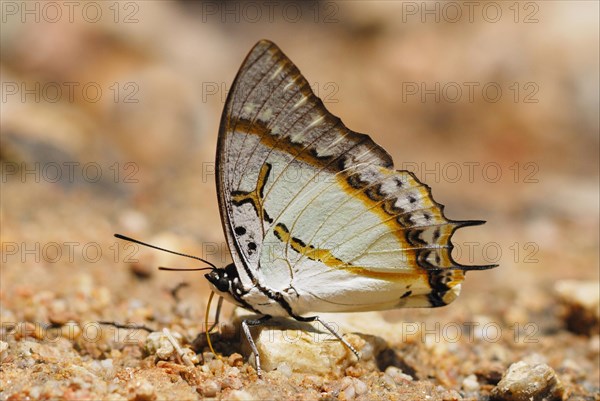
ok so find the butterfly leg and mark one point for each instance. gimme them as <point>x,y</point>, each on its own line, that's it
<point>246,327</point>
<point>330,329</point>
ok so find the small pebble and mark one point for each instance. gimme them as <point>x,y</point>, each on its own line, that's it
<point>355,371</point>
<point>70,331</point>
<point>347,389</point>
<point>450,395</point>
<point>470,383</point>
<point>216,366</point>
<point>208,356</point>
<point>581,300</point>
<point>191,356</point>
<point>157,343</point>
<point>352,387</point>
<point>235,359</point>
<point>60,317</point>
<point>388,382</point>
<point>397,375</point>
<point>367,351</point>
<point>232,382</point>
<point>232,379</point>
<point>209,388</point>
<point>490,373</point>
<point>27,329</point>
<point>525,382</point>
<point>144,391</point>
<point>360,386</point>
<point>3,349</point>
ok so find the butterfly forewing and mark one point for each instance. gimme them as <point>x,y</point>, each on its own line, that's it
<point>314,211</point>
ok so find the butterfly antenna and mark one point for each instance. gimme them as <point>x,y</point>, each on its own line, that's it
<point>119,236</point>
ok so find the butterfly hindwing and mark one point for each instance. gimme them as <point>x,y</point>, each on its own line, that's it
<point>314,211</point>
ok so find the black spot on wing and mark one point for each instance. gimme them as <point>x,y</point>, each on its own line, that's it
<point>300,242</point>
<point>398,182</point>
<point>266,217</point>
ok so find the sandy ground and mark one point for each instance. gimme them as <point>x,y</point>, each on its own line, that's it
<point>109,122</point>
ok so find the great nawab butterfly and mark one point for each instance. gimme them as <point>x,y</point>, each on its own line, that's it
<point>316,217</point>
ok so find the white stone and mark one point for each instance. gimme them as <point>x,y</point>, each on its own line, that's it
<point>3,348</point>
<point>303,347</point>
<point>397,375</point>
<point>209,388</point>
<point>523,382</point>
<point>144,390</point>
<point>360,387</point>
<point>470,383</point>
<point>157,343</point>
<point>584,293</point>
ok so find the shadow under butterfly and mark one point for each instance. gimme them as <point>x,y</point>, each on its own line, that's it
<point>316,218</point>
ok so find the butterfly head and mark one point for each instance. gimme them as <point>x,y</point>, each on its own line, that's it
<point>225,282</point>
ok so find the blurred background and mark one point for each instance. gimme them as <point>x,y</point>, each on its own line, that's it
<point>110,114</point>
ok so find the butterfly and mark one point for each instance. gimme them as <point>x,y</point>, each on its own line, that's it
<point>315,216</point>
